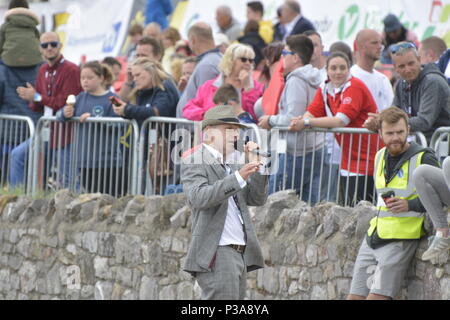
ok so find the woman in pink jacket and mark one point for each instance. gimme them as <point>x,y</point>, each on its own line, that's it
<point>236,69</point>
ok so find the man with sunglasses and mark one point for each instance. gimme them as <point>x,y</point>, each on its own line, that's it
<point>422,92</point>
<point>56,80</point>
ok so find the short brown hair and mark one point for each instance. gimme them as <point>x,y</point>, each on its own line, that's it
<point>172,34</point>
<point>392,115</point>
<point>302,46</point>
<point>256,6</point>
<point>226,93</point>
<point>341,46</point>
<point>155,44</point>
<point>202,32</point>
<point>251,26</point>
<point>101,70</point>
<point>135,29</point>
<point>435,44</point>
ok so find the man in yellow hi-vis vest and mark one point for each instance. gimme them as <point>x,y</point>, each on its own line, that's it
<point>394,233</point>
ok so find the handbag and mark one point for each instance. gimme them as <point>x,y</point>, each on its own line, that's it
<point>159,165</point>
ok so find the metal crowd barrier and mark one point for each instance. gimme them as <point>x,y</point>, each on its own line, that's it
<point>419,138</point>
<point>98,155</point>
<point>440,142</point>
<point>114,156</point>
<point>317,168</point>
<point>319,173</point>
<point>15,130</point>
<point>162,143</point>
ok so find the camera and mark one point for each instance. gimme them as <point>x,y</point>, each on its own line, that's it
<point>388,194</point>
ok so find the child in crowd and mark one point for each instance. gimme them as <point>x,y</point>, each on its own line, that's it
<point>19,37</point>
<point>228,95</point>
<point>99,155</point>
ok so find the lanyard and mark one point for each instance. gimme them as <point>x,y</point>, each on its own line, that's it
<point>52,76</point>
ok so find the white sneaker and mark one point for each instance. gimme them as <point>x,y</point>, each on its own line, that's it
<point>438,245</point>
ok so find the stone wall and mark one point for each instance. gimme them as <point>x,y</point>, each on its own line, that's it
<point>96,247</point>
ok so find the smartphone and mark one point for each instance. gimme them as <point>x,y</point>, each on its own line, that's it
<point>115,101</point>
<point>388,194</point>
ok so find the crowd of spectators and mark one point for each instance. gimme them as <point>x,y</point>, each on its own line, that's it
<point>276,76</point>
<point>272,72</point>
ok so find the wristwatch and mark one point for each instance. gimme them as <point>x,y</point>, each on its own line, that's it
<point>37,97</point>
<point>306,123</point>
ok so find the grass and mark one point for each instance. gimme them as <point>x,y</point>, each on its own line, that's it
<point>40,194</point>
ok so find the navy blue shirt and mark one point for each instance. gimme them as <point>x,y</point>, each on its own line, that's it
<point>165,101</point>
<point>97,146</point>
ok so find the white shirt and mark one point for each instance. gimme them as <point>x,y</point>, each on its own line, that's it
<point>290,26</point>
<point>233,230</point>
<point>378,84</point>
<point>447,70</point>
<point>323,74</point>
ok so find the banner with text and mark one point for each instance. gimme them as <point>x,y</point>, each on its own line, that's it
<point>340,20</point>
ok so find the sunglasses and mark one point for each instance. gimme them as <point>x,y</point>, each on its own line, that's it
<point>394,48</point>
<point>53,44</point>
<point>244,60</point>
<point>286,52</point>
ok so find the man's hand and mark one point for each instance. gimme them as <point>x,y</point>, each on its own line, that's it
<point>26,93</point>
<point>372,122</point>
<point>264,122</point>
<point>250,168</point>
<point>251,156</point>
<point>397,205</point>
<point>69,111</point>
<point>297,124</point>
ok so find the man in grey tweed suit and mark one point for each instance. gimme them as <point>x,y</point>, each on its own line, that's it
<point>224,246</point>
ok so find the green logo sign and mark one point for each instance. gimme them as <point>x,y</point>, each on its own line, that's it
<point>348,22</point>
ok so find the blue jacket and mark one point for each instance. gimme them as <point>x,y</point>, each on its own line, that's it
<point>164,100</point>
<point>10,79</point>
<point>301,26</point>
<point>97,146</point>
<point>443,62</point>
<point>157,11</point>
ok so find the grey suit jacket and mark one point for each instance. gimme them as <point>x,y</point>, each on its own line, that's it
<point>207,187</point>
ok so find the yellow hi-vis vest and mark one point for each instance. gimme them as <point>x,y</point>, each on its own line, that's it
<point>405,225</point>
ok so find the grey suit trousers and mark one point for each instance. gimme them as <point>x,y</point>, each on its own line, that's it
<point>228,277</point>
<point>433,187</point>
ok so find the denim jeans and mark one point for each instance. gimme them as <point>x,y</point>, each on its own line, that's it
<point>311,178</point>
<point>18,158</point>
<point>331,178</point>
<point>59,158</point>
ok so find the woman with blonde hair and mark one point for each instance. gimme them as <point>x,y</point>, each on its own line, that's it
<point>154,93</point>
<point>236,68</point>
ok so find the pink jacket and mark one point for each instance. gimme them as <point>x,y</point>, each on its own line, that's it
<point>203,101</point>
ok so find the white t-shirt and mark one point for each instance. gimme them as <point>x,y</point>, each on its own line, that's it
<point>379,86</point>
<point>447,70</point>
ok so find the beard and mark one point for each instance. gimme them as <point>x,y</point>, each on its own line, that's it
<point>396,148</point>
